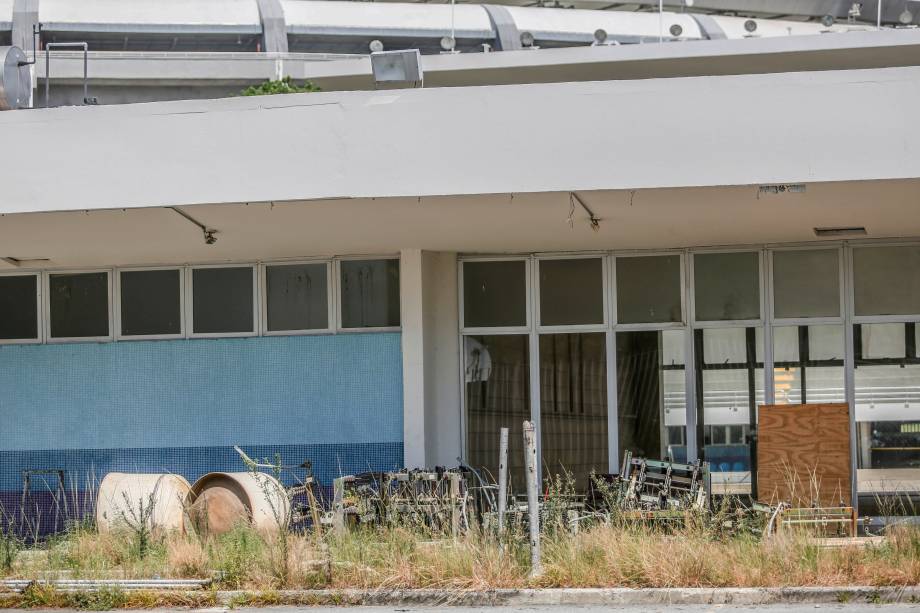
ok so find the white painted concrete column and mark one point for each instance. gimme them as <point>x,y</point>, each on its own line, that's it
<point>413,356</point>
<point>431,358</point>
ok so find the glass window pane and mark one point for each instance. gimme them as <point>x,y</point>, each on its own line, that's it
<point>370,293</point>
<point>571,292</point>
<point>494,294</point>
<point>651,394</point>
<point>296,297</point>
<point>497,396</point>
<point>883,341</point>
<point>886,280</point>
<point>222,300</point>
<point>726,286</point>
<point>79,304</point>
<point>151,302</point>
<point>573,405</point>
<point>18,307</point>
<point>806,283</point>
<point>730,388</point>
<point>648,289</point>
<point>819,368</point>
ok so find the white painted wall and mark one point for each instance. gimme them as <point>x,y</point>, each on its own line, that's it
<point>411,285</point>
<point>704,131</point>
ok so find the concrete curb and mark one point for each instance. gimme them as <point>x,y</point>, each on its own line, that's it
<point>581,596</point>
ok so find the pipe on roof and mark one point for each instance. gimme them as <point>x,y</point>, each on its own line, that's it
<point>274,27</point>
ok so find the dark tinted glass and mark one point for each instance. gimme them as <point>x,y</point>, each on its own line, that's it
<point>648,289</point>
<point>222,300</point>
<point>151,302</point>
<point>494,294</point>
<point>571,292</point>
<point>886,280</point>
<point>806,283</point>
<point>79,304</point>
<point>18,307</point>
<point>296,297</point>
<point>726,286</point>
<point>370,293</point>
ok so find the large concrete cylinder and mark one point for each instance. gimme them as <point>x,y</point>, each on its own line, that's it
<point>222,501</point>
<point>125,498</point>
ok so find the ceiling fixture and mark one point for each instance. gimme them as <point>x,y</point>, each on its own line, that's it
<point>448,44</point>
<point>844,231</point>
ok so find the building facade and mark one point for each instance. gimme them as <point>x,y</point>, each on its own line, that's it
<point>633,265</point>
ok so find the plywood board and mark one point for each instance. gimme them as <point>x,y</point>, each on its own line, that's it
<point>803,454</point>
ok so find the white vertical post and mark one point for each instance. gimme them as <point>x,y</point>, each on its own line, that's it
<point>878,22</point>
<point>661,20</point>
<point>502,479</point>
<point>533,509</point>
<point>413,357</point>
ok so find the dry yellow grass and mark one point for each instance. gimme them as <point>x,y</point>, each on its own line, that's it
<point>630,556</point>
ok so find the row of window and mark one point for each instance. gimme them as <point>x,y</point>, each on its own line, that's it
<point>813,324</point>
<point>232,300</point>
<point>649,289</point>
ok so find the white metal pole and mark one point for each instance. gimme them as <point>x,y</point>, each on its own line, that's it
<point>661,20</point>
<point>502,479</point>
<point>533,509</point>
<point>878,23</point>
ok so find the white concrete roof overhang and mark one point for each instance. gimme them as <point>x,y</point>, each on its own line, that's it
<point>663,163</point>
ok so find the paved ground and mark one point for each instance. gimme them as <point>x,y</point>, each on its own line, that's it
<point>893,608</point>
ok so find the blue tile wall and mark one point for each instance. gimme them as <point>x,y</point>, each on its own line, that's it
<point>290,390</point>
<point>179,406</point>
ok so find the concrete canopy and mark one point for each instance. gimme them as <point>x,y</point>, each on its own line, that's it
<point>646,134</point>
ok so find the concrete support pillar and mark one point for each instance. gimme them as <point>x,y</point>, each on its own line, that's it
<point>431,358</point>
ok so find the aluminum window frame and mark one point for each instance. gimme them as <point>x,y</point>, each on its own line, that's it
<point>570,328</point>
<point>731,323</point>
<point>39,314</point>
<point>528,291</point>
<point>184,328</point>
<point>190,301</point>
<point>850,247</point>
<point>46,305</point>
<point>336,286</point>
<point>648,326</point>
<point>841,287</point>
<point>331,302</point>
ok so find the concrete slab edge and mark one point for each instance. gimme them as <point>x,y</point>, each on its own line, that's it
<point>582,596</point>
<point>543,597</point>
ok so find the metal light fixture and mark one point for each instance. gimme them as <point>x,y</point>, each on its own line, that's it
<point>376,46</point>
<point>827,21</point>
<point>527,39</point>
<point>676,30</point>
<point>906,18</point>
<point>750,26</point>
<point>448,44</point>
<point>600,36</point>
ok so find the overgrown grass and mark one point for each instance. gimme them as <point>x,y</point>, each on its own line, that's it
<point>616,552</point>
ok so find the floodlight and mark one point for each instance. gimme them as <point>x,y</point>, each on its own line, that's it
<point>376,46</point>
<point>527,39</point>
<point>448,43</point>
<point>906,18</point>
<point>751,26</point>
<point>395,69</point>
<point>676,30</point>
<point>828,21</point>
<point>600,36</point>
